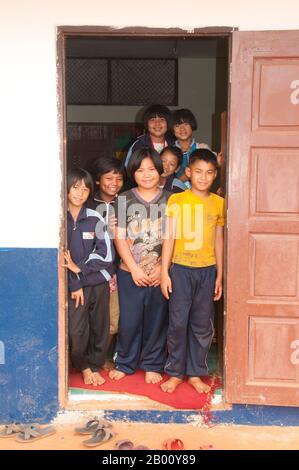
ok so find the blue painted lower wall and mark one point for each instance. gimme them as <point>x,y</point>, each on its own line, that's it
<point>28,350</point>
<point>251,415</point>
<point>28,334</point>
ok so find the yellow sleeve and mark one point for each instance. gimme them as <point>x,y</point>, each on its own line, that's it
<point>172,207</point>
<point>221,215</point>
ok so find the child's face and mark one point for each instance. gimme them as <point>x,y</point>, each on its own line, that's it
<point>182,131</point>
<point>78,194</point>
<point>157,126</point>
<point>110,183</point>
<point>147,176</point>
<point>201,175</point>
<point>170,163</point>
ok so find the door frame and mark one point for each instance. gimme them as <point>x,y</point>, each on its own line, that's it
<point>63,33</point>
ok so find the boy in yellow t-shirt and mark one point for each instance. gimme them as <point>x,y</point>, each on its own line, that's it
<point>193,250</point>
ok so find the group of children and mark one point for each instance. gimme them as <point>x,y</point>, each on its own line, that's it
<point>155,250</point>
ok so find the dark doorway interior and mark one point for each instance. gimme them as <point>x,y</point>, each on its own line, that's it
<point>108,83</point>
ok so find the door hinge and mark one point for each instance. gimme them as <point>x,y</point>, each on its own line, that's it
<point>230,72</point>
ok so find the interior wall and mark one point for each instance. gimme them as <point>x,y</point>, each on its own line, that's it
<point>196,91</point>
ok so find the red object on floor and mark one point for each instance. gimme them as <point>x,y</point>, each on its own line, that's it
<point>183,398</point>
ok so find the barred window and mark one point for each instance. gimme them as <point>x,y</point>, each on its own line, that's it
<point>86,81</point>
<point>132,82</point>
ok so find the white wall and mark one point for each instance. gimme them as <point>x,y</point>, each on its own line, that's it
<point>30,182</point>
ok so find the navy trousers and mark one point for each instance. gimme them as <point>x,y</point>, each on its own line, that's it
<point>143,322</point>
<point>191,320</point>
<point>89,328</point>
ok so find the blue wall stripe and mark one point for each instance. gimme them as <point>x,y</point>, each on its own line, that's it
<point>28,334</point>
<point>239,414</point>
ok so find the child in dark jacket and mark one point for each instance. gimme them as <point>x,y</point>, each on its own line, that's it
<point>89,260</point>
<point>172,158</point>
<point>108,175</point>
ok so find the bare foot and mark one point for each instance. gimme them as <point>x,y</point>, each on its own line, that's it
<point>152,377</point>
<point>116,374</point>
<point>171,384</point>
<point>88,376</point>
<point>199,385</point>
<point>108,366</point>
<point>98,379</point>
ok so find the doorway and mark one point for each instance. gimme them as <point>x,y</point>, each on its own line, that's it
<point>105,119</point>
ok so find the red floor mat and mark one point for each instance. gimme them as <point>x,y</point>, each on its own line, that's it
<point>184,397</point>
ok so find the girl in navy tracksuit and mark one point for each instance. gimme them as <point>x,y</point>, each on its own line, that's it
<point>89,260</point>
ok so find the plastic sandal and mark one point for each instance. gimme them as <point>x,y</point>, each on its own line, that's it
<point>92,425</point>
<point>10,430</point>
<point>33,433</point>
<point>173,444</point>
<point>124,444</point>
<point>141,447</point>
<point>207,447</point>
<point>99,437</point>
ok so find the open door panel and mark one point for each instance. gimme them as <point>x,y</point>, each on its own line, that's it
<point>262,324</point>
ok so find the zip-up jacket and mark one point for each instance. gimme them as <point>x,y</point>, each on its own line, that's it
<point>91,249</point>
<point>145,141</point>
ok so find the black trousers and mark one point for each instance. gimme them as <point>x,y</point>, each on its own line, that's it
<point>89,328</point>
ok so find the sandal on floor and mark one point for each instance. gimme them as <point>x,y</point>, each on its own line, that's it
<point>141,447</point>
<point>173,444</point>
<point>124,444</point>
<point>34,432</point>
<point>10,430</point>
<point>99,437</point>
<point>92,425</point>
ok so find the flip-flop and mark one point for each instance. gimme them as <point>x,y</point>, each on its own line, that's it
<point>99,437</point>
<point>173,444</point>
<point>141,447</point>
<point>33,433</point>
<point>10,430</point>
<point>92,425</point>
<point>124,444</point>
<point>207,447</point>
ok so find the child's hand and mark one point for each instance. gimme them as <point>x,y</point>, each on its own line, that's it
<point>69,263</point>
<point>140,278</point>
<point>155,275</point>
<point>78,296</point>
<point>218,289</point>
<point>112,222</point>
<point>166,285</point>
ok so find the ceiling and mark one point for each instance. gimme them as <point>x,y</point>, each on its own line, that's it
<point>146,47</point>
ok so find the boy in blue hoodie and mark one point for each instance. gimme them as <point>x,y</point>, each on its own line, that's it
<point>89,260</point>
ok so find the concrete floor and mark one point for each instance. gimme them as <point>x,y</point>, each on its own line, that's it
<point>226,437</point>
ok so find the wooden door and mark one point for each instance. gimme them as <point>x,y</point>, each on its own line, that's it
<point>262,312</point>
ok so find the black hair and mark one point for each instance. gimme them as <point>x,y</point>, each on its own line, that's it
<point>106,164</point>
<point>156,110</point>
<point>141,154</point>
<point>184,115</point>
<point>175,151</point>
<point>78,174</point>
<point>205,155</point>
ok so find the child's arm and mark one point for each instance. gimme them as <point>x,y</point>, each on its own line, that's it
<point>167,251</point>
<point>69,263</point>
<point>140,278</point>
<point>219,261</point>
<point>102,255</point>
